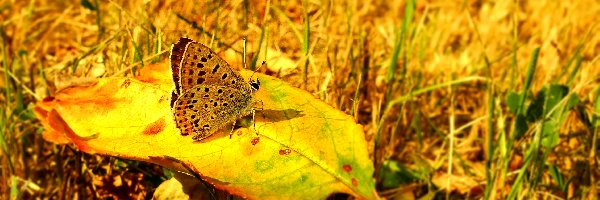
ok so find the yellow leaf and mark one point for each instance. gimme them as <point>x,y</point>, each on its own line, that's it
<point>306,148</point>
<point>183,186</point>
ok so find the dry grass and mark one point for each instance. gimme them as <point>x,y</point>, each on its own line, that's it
<point>437,109</point>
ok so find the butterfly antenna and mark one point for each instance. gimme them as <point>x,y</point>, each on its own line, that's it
<point>244,54</point>
<point>244,57</point>
<point>263,63</point>
<point>244,60</point>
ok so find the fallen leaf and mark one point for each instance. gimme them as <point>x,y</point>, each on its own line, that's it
<point>306,148</point>
<point>275,60</point>
<point>462,184</point>
<point>278,62</point>
<point>183,186</point>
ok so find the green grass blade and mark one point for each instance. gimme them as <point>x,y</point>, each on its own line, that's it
<point>571,77</point>
<point>14,188</point>
<point>356,95</point>
<point>393,65</point>
<point>390,77</point>
<point>531,152</point>
<point>490,178</point>
<point>263,32</point>
<point>306,41</point>
<point>596,117</point>
<point>528,79</point>
<point>517,185</point>
<point>280,14</point>
<point>158,46</point>
<point>3,141</point>
<point>6,70</point>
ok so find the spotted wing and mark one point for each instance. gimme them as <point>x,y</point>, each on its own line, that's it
<point>176,56</point>
<point>194,64</point>
<point>205,109</point>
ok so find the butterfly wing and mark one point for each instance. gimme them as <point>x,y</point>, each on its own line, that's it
<point>193,64</point>
<point>176,57</point>
<point>204,109</point>
<point>208,94</point>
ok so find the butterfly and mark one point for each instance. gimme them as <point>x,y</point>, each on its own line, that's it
<point>208,94</point>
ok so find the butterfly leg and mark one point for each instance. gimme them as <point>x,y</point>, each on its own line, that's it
<point>256,107</point>
<point>254,122</point>
<point>256,139</point>
<point>262,105</point>
<point>232,127</point>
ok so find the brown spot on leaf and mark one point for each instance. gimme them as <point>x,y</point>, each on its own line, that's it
<point>347,168</point>
<point>285,152</point>
<point>354,182</point>
<point>155,127</point>
<point>255,141</point>
<point>126,83</point>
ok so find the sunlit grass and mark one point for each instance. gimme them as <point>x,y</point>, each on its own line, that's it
<point>449,93</point>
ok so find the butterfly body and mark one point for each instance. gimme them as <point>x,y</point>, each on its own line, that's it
<point>208,94</point>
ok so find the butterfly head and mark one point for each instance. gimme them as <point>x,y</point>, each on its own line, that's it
<point>255,84</point>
